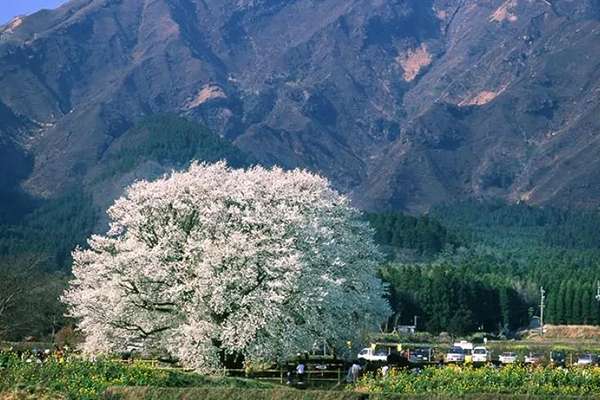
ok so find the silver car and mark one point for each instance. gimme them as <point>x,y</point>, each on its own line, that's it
<point>455,355</point>
<point>508,358</point>
<point>585,360</point>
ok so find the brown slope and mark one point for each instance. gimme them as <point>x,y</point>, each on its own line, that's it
<point>507,111</point>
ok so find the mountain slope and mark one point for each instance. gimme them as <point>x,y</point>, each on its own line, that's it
<point>49,230</point>
<point>404,104</point>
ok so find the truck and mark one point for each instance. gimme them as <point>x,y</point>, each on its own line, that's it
<point>508,357</point>
<point>379,351</point>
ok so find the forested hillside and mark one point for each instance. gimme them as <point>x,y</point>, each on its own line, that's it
<point>424,235</point>
<point>38,236</point>
<point>520,225</point>
<point>491,280</point>
<point>462,268</point>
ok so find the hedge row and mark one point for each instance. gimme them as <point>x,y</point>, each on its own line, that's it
<point>144,393</point>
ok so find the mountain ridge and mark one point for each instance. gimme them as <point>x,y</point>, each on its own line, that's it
<point>404,104</point>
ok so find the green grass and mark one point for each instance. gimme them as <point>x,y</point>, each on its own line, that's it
<point>286,394</point>
<point>513,380</point>
<point>83,380</point>
<point>225,394</point>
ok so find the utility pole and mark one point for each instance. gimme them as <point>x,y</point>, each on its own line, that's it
<point>542,298</point>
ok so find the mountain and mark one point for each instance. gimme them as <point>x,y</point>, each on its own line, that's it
<point>404,104</point>
<point>49,229</point>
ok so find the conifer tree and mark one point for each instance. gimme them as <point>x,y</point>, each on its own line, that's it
<point>586,303</point>
<point>569,297</point>
<point>550,311</point>
<point>560,305</point>
<point>577,292</point>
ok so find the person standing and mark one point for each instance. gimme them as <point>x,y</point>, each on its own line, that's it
<point>353,372</point>
<point>384,370</point>
<point>300,371</point>
<point>290,375</point>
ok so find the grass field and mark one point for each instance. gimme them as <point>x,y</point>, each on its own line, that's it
<point>284,394</point>
<point>83,380</point>
<point>134,393</point>
<point>76,379</point>
<point>513,380</point>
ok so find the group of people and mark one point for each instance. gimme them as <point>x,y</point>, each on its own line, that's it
<point>358,367</point>
<point>39,356</point>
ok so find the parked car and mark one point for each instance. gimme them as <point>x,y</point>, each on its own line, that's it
<point>508,358</point>
<point>558,358</point>
<point>480,355</point>
<point>533,359</point>
<point>420,355</point>
<point>455,355</point>
<point>586,359</point>
<point>467,350</point>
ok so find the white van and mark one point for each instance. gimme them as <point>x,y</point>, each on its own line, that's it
<point>480,355</point>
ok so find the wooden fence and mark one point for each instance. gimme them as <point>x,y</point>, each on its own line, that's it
<point>333,374</point>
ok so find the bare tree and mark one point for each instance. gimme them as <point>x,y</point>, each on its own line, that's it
<point>23,294</point>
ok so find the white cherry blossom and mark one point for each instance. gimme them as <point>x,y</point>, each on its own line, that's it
<point>261,263</point>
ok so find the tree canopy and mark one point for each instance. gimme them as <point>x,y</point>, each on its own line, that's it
<point>213,261</point>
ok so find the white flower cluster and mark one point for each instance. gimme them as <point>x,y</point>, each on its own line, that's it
<point>262,263</point>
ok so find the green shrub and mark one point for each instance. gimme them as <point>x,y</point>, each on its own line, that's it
<point>512,380</point>
<point>83,380</point>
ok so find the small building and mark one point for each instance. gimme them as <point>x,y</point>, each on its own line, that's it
<point>406,329</point>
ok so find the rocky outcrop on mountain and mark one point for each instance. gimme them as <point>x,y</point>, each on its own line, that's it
<point>402,103</point>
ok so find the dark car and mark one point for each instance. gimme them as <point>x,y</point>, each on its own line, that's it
<point>558,358</point>
<point>397,360</point>
<point>420,355</point>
